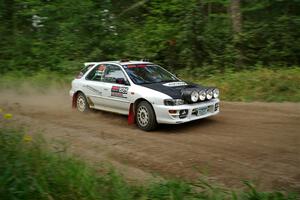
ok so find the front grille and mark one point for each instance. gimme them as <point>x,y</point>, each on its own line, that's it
<point>206,100</point>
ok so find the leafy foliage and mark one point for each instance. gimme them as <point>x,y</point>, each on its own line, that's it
<point>60,35</point>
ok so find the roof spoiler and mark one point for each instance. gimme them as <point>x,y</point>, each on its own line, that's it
<point>90,63</point>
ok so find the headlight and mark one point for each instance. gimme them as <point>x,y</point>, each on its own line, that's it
<point>194,96</point>
<point>209,94</point>
<point>173,102</point>
<point>216,93</point>
<point>190,95</point>
<point>202,95</point>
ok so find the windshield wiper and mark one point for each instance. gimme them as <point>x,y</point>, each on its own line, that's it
<point>148,82</point>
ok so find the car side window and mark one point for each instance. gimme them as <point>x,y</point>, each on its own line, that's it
<point>86,68</point>
<point>97,73</point>
<point>114,74</point>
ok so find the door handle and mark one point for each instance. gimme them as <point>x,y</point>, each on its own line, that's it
<point>105,89</point>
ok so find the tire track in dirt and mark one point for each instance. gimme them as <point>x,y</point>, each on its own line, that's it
<point>247,141</point>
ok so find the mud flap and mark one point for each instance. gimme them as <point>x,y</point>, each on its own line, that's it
<point>74,98</point>
<point>131,118</point>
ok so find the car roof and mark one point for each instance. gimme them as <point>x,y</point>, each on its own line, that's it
<point>118,62</point>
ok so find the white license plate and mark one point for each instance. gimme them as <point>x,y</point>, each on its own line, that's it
<point>202,111</point>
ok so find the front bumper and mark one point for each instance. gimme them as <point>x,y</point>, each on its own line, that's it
<point>163,115</point>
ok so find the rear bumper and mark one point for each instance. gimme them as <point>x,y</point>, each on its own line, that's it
<point>72,98</point>
<point>71,93</point>
<point>163,116</point>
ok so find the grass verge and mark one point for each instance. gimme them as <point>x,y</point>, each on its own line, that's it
<point>31,170</point>
<point>271,85</point>
<point>253,85</point>
<point>40,81</point>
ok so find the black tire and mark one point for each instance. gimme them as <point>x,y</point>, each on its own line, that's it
<point>82,104</point>
<point>145,116</point>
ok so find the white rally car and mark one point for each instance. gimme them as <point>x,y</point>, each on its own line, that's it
<point>147,93</point>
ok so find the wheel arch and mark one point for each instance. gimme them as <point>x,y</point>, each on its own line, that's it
<point>140,100</point>
<point>74,98</point>
<point>133,107</point>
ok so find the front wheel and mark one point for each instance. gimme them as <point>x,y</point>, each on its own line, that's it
<point>81,103</point>
<point>145,116</point>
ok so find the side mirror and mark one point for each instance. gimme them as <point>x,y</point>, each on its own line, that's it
<point>122,81</point>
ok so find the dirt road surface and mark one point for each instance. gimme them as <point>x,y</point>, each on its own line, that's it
<point>246,141</point>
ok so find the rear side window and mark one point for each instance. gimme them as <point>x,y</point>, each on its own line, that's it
<point>107,73</point>
<point>97,73</point>
<point>84,70</point>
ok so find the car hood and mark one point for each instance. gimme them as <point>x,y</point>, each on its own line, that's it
<point>172,89</point>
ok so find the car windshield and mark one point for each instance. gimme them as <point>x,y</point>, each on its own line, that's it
<point>146,74</point>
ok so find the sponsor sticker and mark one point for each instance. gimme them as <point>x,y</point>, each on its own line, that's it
<point>137,66</point>
<point>118,91</point>
<point>175,84</point>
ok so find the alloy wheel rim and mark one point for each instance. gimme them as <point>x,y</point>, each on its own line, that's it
<point>143,116</point>
<point>81,103</point>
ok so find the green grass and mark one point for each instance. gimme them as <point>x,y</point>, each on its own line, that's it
<point>40,81</point>
<point>270,85</point>
<point>30,169</point>
<point>253,85</point>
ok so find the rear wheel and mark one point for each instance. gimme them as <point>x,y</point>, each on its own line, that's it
<point>81,103</point>
<point>145,116</point>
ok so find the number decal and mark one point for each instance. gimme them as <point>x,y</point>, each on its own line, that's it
<point>117,91</point>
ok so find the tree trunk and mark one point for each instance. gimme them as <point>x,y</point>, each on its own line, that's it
<point>236,19</point>
<point>236,16</point>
